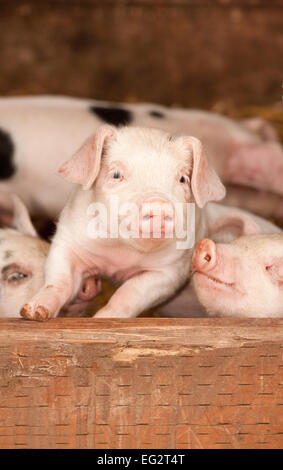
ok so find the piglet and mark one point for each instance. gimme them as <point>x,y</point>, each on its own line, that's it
<point>144,169</point>
<point>22,258</point>
<point>224,224</point>
<point>263,203</point>
<point>243,278</point>
<point>38,133</point>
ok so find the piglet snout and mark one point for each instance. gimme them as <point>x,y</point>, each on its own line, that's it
<point>204,257</point>
<point>89,289</point>
<point>156,217</point>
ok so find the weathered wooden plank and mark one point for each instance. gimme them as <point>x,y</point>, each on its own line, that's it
<point>163,3</point>
<point>141,383</point>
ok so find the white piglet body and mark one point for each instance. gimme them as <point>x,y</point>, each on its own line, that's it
<point>149,170</point>
<point>37,134</point>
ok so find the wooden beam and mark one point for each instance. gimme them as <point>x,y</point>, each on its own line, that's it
<point>141,383</point>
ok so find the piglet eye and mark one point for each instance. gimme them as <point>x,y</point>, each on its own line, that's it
<point>184,179</point>
<point>13,274</point>
<point>16,277</point>
<point>268,268</point>
<point>117,175</point>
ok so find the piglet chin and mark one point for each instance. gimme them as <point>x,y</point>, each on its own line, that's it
<point>216,295</point>
<point>207,281</point>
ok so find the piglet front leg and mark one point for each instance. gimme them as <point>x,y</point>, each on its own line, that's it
<point>63,275</point>
<point>140,293</point>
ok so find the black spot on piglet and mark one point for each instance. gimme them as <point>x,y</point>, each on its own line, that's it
<point>7,168</point>
<point>115,116</point>
<point>7,254</point>
<point>156,114</point>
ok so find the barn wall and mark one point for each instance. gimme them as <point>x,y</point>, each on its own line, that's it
<point>185,52</point>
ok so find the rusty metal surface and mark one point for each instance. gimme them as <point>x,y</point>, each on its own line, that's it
<point>142,383</point>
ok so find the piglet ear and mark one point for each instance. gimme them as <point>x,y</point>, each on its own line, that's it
<point>205,183</point>
<point>84,166</point>
<point>262,127</point>
<point>21,219</point>
<point>236,224</point>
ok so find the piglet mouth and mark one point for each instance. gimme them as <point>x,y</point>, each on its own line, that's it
<point>216,280</point>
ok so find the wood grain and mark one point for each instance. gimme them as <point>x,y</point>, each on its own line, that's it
<point>142,383</point>
<point>182,52</point>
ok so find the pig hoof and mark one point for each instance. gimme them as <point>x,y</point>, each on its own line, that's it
<point>41,313</point>
<point>26,312</point>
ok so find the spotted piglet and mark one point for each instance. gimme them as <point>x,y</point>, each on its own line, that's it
<point>22,258</point>
<point>37,134</point>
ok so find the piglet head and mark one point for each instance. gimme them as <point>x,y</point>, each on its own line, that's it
<point>22,256</point>
<point>148,169</point>
<point>243,278</point>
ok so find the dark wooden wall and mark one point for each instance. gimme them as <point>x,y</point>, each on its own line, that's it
<point>185,52</point>
<point>141,383</point>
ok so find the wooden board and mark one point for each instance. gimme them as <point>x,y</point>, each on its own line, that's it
<point>141,383</point>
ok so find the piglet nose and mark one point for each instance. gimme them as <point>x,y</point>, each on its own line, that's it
<point>157,215</point>
<point>204,257</point>
<point>89,288</point>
